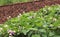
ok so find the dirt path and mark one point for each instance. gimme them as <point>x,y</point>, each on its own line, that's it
<point>15,9</point>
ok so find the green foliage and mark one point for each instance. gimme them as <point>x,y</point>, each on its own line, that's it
<point>5,2</point>
<point>45,22</point>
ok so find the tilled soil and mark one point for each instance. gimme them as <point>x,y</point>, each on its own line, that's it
<point>9,11</point>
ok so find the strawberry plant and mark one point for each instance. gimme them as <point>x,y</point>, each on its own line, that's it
<point>42,23</point>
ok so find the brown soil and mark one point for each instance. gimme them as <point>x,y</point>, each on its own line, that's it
<point>14,9</point>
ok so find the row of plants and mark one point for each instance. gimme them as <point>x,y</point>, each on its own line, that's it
<point>5,2</point>
<point>42,23</point>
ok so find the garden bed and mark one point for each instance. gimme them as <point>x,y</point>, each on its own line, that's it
<point>42,23</point>
<point>13,10</point>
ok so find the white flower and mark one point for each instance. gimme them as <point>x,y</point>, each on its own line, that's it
<point>1,29</point>
<point>14,31</point>
<point>23,11</point>
<point>8,17</point>
<point>54,19</point>
<point>5,25</point>
<point>51,25</point>
<point>58,26</point>
<point>20,14</point>
<point>29,17</point>
<point>11,32</point>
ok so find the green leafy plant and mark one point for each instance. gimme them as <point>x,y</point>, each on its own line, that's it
<point>44,22</point>
<point>46,19</point>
